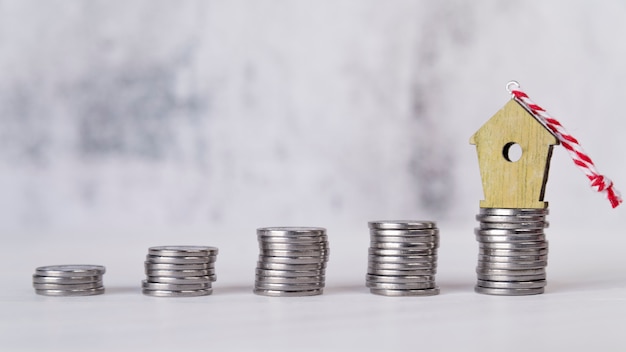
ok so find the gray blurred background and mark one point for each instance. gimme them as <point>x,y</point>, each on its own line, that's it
<point>230,115</point>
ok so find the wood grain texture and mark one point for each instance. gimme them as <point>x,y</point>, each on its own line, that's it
<point>514,184</point>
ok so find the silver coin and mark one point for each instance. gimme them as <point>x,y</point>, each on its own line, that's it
<point>521,259</point>
<point>418,260</point>
<point>401,286</point>
<point>401,252</point>
<point>514,245</point>
<point>512,278</point>
<point>299,240</point>
<point>512,253</point>
<point>386,269</point>
<point>312,237</point>
<point>183,251</point>
<point>286,240</point>
<point>427,256</point>
<point>510,238</point>
<point>182,280</point>
<point>396,272</point>
<point>514,211</point>
<point>399,279</point>
<point>401,224</point>
<point>505,272</point>
<point>174,287</point>
<point>71,270</point>
<point>495,219</point>
<point>290,230</point>
<point>320,233</point>
<point>293,246</point>
<point>162,266</point>
<point>520,225</point>
<point>180,273</point>
<point>290,280</point>
<point>405,239</point>
<point>291,267</point>
<point>279,293</point>
<point>85,286</point>
<point>513,226</point>
<point>291,260</point>
<point>405,246</point>
<point>289,273</point>
<point>512,285</point>
<point>172,293</point>
<point>179,260</point>
<point>509,292</point>
<point>508,232</point>
<point>406,264</point>
<point>68,293</point>
<point>288,287</point>
<point>38,279</point>
<point>403,233</point>
<point>402,241</point>
<point>402,266</point>
<point>512,266</point>
<point>405,293</point>
<point>293,253</point>
<point>527,259</point>
<point>510,218</point>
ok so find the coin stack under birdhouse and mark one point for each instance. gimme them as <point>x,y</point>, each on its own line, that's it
<point>69,280</point>
<point>180,271</point>
<point>402,258</point>
<point>513,251</point>
<point>292,261</point>
<point>514,149</point>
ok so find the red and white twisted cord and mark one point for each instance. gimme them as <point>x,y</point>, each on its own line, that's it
<point>599,182</point>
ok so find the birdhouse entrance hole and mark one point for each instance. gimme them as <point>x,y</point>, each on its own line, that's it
<point>512,152</point>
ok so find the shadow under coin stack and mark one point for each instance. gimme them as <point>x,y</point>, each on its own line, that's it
<point>403,258</point>
<point>292,261</point>
<point>69,280</point>
<point>513,251</point>
<point>180,271</point>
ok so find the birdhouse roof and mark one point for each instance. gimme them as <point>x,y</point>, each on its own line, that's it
<point>515,122</point>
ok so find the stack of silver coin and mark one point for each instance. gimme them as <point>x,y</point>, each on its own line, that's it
<point>403,258</point>
<point>513,251</point>
<point>292,261</point>
<point>180,271</point>
<point>69,280</point>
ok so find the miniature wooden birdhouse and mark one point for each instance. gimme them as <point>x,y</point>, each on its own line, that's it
<point>508,181</point>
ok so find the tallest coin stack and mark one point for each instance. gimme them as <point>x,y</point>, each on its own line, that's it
<point>513,251</point>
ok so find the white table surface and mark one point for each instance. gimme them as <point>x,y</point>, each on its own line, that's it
<point>584,307</point>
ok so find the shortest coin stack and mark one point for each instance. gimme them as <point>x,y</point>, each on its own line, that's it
<point>179,271</point>
<point>292,261</point>
<point>513,251</point>
<point>69,280</point>
<point>403,258</point>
